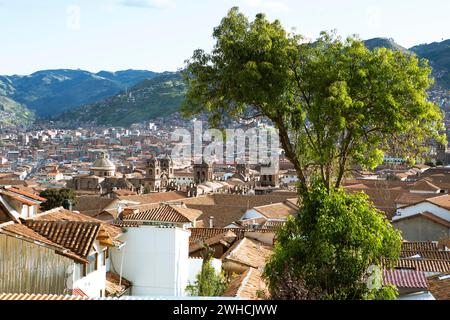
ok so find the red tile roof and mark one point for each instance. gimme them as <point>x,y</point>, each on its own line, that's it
<point>78,292</point>
<point>23,232</point>
<point>61,214</point>
<point>116,286</point>
<point>166,213</point>
<point>426,265</point>
<point>434,255</point>
<point>424,185</point>
<point>75,236</point>
<point>440,286</point>
<point>26,296</point>
<point>427,215</point>
<point>248,285</point>
<point>405,278</point>
<point>27,194</point>
<point>203,234</point>
<point>248,252</point>
<point>419,245</point>
<point>276,211</point>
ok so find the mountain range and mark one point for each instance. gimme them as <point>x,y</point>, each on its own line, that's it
<point>156,97</point>
<point>49,92</point>
<point>125,97</point>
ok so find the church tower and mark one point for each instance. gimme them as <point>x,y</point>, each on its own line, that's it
<point>202,172</point>
<point>243,170</point>
<point>153,170</point>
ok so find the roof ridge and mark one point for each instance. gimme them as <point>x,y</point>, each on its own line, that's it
<point>244,281</point>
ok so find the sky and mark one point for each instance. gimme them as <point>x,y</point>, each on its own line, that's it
<point>159,35</point>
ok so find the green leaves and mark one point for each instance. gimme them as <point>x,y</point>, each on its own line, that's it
<point>333,245</point>
<point>56,197</point>
<point>339,104</point>
<point>208,283</point>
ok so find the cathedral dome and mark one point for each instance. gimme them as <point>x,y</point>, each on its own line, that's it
<point>103,167</point>
<point>103,163</point>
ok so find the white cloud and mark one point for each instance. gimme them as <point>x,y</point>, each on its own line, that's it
<point>266,4</point>
<point>154,4</point>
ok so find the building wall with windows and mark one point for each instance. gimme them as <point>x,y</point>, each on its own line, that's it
<point>91,278</point>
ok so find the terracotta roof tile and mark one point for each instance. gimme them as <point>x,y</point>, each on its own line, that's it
<point>441,201</point>
<point>166,213</point>
<point>226,238</point>
<point>427,215</point>
<point>276,211</point>
<point>426,265</point>
<point>419,245</point>
<point>27,194</point>
<point>203,234</point>
<point>439,286</point>
<point>156,197</point>
<point>61,214</point>
<point>22,231</point>
<point>273,225</point>
<point>21,198</point>
<point>428,254</point>
<point>248,252</point>
<point>407,198</point>
<point>75,236</point>
<point>26,296</point>
<point>405,278</point>
<point>248,285</point>
<point>424,185</point>
<point>116,286</point>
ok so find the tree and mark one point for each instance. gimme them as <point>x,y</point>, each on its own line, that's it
<point>331,249</point>
<point>147,190</point>
<point>56,197</point>
<point>208,283</point>
<point>335,103</point>
<point>337,106</point>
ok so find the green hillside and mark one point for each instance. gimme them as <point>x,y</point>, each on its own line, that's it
<point>13,113</point>
<point>151,98</point>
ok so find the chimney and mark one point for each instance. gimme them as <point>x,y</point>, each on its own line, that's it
<point>211,222</point>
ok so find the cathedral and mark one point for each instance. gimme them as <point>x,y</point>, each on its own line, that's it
<point>103,178</point>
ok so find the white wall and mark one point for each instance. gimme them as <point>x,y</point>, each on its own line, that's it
<point>195,266</point>
<point>155,260</point>
<point>94,283</point>
<point>422,207</point>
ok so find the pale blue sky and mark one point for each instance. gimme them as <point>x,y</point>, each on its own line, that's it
<point>160,34</point>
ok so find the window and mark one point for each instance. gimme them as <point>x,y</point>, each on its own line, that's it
<point>91,266</point>
<point>105,256</point>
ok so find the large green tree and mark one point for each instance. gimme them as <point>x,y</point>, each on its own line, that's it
<point>333,249</point>
<point>336,104</point>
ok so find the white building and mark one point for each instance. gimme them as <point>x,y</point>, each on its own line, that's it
<point>156,256</point>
